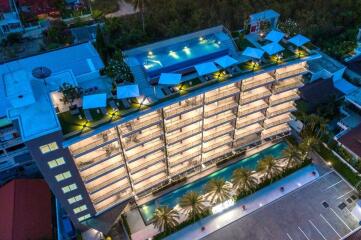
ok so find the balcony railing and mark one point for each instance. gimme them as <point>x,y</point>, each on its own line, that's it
<point>143,139</point>
<point>145,151</point>
<point>287,98</point>
<point>216,155</point>
<point>107,183</point>
<point>222,94</point>
<point>83,165</point>
<point>244,111</point>
<point>139,124</point>
<point>181,109</point>
<point>76,150</point>
<point>247,140</point>
<point>277,122</point>
<point>110,168</point>
<point>243,123</point>
<point>122,193</point>
<point>243,134</point>
<point>220,109</point>
<point>273,113</point>
<point>291,73</point>
<point>247,98</point>
<point>174,151</point>
<point>148,174</point>
<point>183,158</point>
<point>182,123</point>
<point>219,121</point>
<point>276,132</point>
<point>147,163</point>
<point>220,132</point>
<point>249,84</point>
<point>285,86</point>
<point>217,144</point>
<point>150,184</point>
<point>183,135</point>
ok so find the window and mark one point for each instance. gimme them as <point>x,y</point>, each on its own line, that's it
<point>69,188</point>
<point>75,199</point>
<point>85,217</point>
<point>63,176</point>
<point>48,147</point>
<point>80,209</point>
<point>56,162</point>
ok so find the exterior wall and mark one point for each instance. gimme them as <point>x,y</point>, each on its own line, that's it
<point>50,173</point>
<point>141,155</point>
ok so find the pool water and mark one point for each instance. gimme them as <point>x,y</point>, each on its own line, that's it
<point>180,52</point>
<point>171,199</point>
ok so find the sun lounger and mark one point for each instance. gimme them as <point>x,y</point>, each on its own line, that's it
<point>125,103</point>
<point>87,114</point>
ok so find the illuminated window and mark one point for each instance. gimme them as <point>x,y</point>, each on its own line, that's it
<point>80,209</point>
<point>85,217</point>
<point>63,176</point>
<point>69,188</point>
<point>75,199</point>
<point>48,147</point>
<point>56,162</point>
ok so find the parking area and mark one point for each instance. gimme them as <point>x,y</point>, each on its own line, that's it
<point>318,211</point>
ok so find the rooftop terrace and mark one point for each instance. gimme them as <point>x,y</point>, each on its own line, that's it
<point>79,65</point>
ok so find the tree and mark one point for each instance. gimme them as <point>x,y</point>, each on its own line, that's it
<point>100,44</point>
<point>308,143</point>
<point>165,218</point>
<point>118,70</point>
<point>70,93</point>
<point>290,27</point>
<point>292,153</point>
<point>193,205</point>
<point>58,34</point>
<point>243,180</point>
<point>269,166</point>
<point>217,191</point>
<point>140,5</point>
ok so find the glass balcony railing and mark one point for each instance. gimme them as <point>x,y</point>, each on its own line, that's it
<point>219,131</point>
<point>120,192</point>
<point>287,85</point>
<point>152,183</point>
<point>103,171</point>
<point>221,94</point>
<point>145,151</point>
<point>277,130</point>
<point>250,120</point>
<point>248,140</point>
<point>220,109</point>
<point>76,149</point>
<point>106,183</point>
<point>247,98</point>
<point>173,138</point>
<point>145,163</point>
<point>137,140</point>
<point>139,124</point>
<point>278,100</point>
<point>148,174</point>
<point>183,147</point>
<point>178,159</point>
<point>190,106</point>
<point>222,151</point>
<point>250,84</point>
<point>244,110</point>
<point>171,126</point>
<point>279,111</point>
<point>291,73</point>
<point>271,123</point>
<point>216,143</point>
<point>222,118</point>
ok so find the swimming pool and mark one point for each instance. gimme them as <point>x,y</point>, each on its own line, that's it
<point>171,199</point>
<point>182,55</point>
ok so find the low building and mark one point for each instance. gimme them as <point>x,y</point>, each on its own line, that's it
<point>351,141</point>
<point>9,18</point>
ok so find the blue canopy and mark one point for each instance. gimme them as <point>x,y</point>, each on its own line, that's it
<point>275,36</point>
<point>226,61</point>
<point>127,91</point>
<point>170,78</point>
<point>95,101</point>
<point>206,68</point>
<point>272,48</point>
<point>253,53</point>
<point>299,40</point>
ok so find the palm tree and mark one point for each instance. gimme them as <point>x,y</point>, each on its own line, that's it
<point>306,145</point>
<point>269,166</point>
<point>140,5</point>
<point>165,218</point>
<point>243,180</point>
<point>217,190</point>
<point>193,204</point>
<point>292,153</point>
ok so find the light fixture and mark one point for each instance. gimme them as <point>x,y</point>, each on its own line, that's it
<point>187,50</point>
<point>201,39</point>
<point>150,53</point>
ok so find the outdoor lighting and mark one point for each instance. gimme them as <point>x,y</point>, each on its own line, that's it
<point>261,204</point>
<point>329,163</point>
<point>150,53</point>
<point>173,54</point>
<point>201,39</point>
<point>254,65</point>
<point>299,184</point>
<point>84,125</point>
<point>224,205</point>
<point>187,50</point>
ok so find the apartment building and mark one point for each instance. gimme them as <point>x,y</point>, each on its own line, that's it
<point>127,146</point>
<point>9,18</point>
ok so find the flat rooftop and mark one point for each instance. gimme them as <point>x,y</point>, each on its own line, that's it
<point>355,97</point>
<point>352,140</point>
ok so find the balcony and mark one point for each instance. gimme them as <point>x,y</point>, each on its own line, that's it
<point>211,110</point>
<point>171,126</point>
<point>292,72</point>
<point>113,199</point>
<point>211,145</point>
<point>284,97</point>
<point>286,85</point>
<point>137,140</point>
<point>149,183</point>
<point>139,124</point>
<point>98,157</point>
<point>221,93</point>
<point>185,166</point>
<point>221,151</point>
<point>110,181</point>
<point>257,81</point>
<point>275,131</point>
<point>93,142</point>
<point>271,122</point>
<point>146,162</point>
<point>218,131</point>
<point>106,194</point>
<point>218,120</point>
<point>253,95</point>
<point>149,172</point>
<point>182,107</point>
<point>184,134</point>
<point>252,107</point>
<point>102,171</point>
<point>244,132</point>
<point>248,140</point>
<point>250,119</point>
<point>148,148</point>
<point>178,148</point>
<point>185,156</point>
<point>281,109</point>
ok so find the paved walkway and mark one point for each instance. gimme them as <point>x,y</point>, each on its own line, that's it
<point>252,203</point>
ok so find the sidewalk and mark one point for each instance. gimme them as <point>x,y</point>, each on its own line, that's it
<point>252,203</point>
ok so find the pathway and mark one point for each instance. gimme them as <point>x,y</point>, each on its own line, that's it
<point>124,9</point>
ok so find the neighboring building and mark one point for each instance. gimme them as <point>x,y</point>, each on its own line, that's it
<point>351,141</point>
<point>96,160</point>
<point>25,207</point>
<point>9,18</point>
<point>325,68</point>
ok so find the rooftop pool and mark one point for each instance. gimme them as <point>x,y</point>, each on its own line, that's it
<point>184,54</point>
<point>172,198</point>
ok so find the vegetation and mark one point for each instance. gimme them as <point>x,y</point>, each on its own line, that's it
<point>269,166</point>
<point>57,35</point>
<point>292,153</point>
<point>70,93</point>
<point>104,6</point>
<point>243,180</point>
<point>118,70</point>
<point>217,191</point>
<point>193,205</point>
<point>165,218</point>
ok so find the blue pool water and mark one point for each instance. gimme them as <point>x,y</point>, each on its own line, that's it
<point>178,53</point>
<point>171,199</point>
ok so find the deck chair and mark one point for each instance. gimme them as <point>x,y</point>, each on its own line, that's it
<point>87,114</point>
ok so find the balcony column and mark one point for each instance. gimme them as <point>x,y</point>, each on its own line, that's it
<point>165,143</point>
<point>235,122</point>
<point>202,128</point>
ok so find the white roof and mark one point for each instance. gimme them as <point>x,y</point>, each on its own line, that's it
<point>170,78</point>
<point>272,48</point>
<point>344,86</point>
<point>299,40</point>
<point>267,14</point>
<point>275,36</point>
<point>253,52</point>
<point>226,61</point>
<point>95,101</point>
<point>18,89</point>
<point>206,68</point>
<point>127,91</point>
